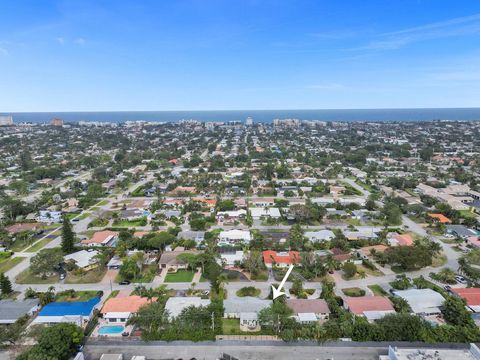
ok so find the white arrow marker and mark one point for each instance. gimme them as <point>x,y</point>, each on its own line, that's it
<point>278,292</point>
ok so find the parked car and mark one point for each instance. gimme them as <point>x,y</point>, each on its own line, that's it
<point>461,279</point>
<point>124,282</point>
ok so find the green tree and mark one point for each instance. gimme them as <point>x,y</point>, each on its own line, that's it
<point>276,317</point>
<point>57,342</point>
<point>349,269</point>
<point>5,284</point>
<point>45,261</point>
<point>68,237</point>
<point>296,238</point>
<point>455,312</point>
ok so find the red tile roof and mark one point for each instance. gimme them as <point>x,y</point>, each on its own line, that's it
<point>129,304</point>
<point>100,237</point>
<point>440,218</point>
<point>301,306</point>
<point>403,240</point>
<point>291,257</point>
<point>471,295</point>
<point>358,305</point>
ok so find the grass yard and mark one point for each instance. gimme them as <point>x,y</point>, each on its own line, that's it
<point>148,274</point>
<point>130,223</point>
<point>232,327</point>
<point>466,214</point>
<point>90,277</point>
<point>26,277</point>
<point>354,292</point>
<point>40,244</point>
<point>103,202</point>
<point>439,260</point>
<point>19,245</point>
<point>78,296</point>
<point>180,276</point>
<point>9,263</point>
<point>248,291</point>
<point>377,290</point>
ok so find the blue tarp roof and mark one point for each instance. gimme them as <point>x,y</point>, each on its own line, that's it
<point>69,308</point>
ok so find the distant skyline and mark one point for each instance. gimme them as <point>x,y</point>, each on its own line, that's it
<point>105,55</point>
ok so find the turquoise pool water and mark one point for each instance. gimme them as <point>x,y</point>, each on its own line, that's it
<point>116,329</point>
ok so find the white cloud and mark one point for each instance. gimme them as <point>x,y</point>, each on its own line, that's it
<point>80,41</point>
<point>61,40</point>
<point>3,51</point>
<point>467,25</point>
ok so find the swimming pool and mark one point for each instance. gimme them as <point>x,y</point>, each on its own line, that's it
<point>108,330</point>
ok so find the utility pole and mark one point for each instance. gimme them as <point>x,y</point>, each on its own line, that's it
<point>213,321</point>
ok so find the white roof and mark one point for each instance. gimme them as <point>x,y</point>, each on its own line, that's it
<point>270,212</point>
<point>321,235</point>
<point>306,317</point>
<point>175,305</point>
<point>375,315</point>
<point>233,213</point>
<point>236,234</point>
<point>231,258</point>
<point>422,300</point>
<point>82,258</point>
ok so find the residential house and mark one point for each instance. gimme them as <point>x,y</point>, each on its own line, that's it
<point>102,238</point>
<point>371,307</point>
<point>197,236</point>
<point>259,213</point>
<point>21,227</point>
<point>422,301</point>
<point>246,309</point>
<point>233,215</point>
<point>230,258</point>
<point>471,297</point>
<point>169,259</point>
<point>47,216</point>
<point>84,259</point>
<point>175,305</point>
<point>235,236</point>
<point>395,239</point>
<point>76,312</point>
<point>309,310</point>
<point>320,235</point>
<point>119,309</point>
<point>280,258</point>
<point>12,310</point>
<point>461,231</point>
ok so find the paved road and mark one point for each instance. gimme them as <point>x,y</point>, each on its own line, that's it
<point>249,351</point>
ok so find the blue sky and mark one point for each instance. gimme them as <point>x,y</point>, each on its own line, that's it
<point>82,55</point>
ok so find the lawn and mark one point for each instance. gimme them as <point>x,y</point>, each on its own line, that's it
<point>466,214</point>
<point>103,202</point>
<point>354,292</point>
<point>232,327</point>
<point>439,260</point>
<point>40,244</point>
<point>19,245</point>
<point>78,296</point>
<point>377,290</point>
<point>26,277</point>
<point>248,291</point>
<point>90,277</point>
<point>8,264</point>
<point>180,276</point>
<point>148,274</point>
<point>131,223</point>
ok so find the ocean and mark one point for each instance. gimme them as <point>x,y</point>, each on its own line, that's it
<point>257,115</point>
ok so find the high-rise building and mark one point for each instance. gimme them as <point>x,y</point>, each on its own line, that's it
<point>249,121</point>
<point>56,122</point>
<point>6,120</point>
